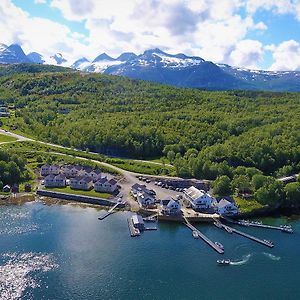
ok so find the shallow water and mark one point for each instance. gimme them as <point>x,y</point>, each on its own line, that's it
<point>65,252</point>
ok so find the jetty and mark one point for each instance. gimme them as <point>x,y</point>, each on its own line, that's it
<point>246,235</point>
<point>111,210</point>
<point>282,228</point>
<point>203,237</point>
<point>132,230</point>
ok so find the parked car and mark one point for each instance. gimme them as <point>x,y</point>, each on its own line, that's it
<point>148,180</point>
<point>155,182</point>
<point>159,183</point>
<point>140,177</point>
<point>152,192</point>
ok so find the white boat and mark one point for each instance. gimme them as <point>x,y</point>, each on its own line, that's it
<point>150,219</point>
<point>195,234</point>
<point>219,245</point>
<point>287,229</point>
<point>223,262</point>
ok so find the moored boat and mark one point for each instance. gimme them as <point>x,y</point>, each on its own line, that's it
<point>195,234</point>
<point>219,245</point>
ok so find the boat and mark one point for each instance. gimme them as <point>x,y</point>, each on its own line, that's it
<point>287,229</point>
<point>150,219</point>
<point>269,242</point>
<point>229,230</point>
<point>223,262</point>
<point>195,234</point>
<point>219,245</point>
<point>218,224</point>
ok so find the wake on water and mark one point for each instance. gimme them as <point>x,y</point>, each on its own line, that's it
<point>271,256</point>
<point>244,260</point>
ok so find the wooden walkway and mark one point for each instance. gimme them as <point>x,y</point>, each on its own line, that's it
<point>110,211</point>
<point>246,235</point>
<point>203,237</point>
<point>247,224</point>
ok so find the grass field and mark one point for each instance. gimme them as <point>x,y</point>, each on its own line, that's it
<point>5,138</point>
<point>91,193</point>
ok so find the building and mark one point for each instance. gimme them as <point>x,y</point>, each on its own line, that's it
<point>58,181</point>
<point>105,185</point>
<point>138,188</point>
<point>138,222</point>
<point>85,171</point>
<point>226,207</point>
<point>81,183</point>
<point>6,188</point>
<point>96,174</point>
<point>45,170</point>
<point>170,206</point>
<point>288,179</point>
<point>49,169</point>
<point>145,200</point>
<point>199,199</point>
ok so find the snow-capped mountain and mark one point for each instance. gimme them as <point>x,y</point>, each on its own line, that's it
<point>12,54</point>
<point>156,65</point>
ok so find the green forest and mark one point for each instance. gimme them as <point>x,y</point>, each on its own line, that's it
<point>203,134</point>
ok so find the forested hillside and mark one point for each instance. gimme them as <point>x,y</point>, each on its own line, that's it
<point>204,134</point>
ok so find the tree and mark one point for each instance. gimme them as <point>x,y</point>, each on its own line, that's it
<point>259,181</point>
<point>222,186</point>
<point>241,183</point>
<point>292,192</point>
<point>271,193</point>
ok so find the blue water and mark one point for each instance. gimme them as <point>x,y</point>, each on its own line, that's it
<point>65,252</point>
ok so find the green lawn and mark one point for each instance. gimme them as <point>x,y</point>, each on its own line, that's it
<point>91,193</point>
<point>6,138</point>
<point>247,206</point>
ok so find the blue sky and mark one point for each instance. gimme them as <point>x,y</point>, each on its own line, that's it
<point>246,33</point>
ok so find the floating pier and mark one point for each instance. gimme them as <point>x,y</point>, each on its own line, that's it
<point>203,237</point>
<point>133,231</point>
<point>286,229</point>
<point>246,235</point>
<point>110,211</point>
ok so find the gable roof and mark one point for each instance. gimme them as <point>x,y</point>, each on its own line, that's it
<point>49,177</point>
<point>112,181</point>
<point>223,203</point>
<point>194,193</point>
<point>101,180</point>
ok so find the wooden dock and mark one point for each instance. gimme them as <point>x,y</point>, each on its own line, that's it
<point>246,235</point>
<point>247,224</point>
<point>110,211</point>
<point>203,237</point>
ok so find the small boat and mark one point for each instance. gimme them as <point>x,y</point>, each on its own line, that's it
<point>269,242</point>
<point>223,262</point>
<point>195,234</point>
<point>287,229</point>
<point>218,224</point>
<point>150,219</point>
<point>229,230</point>
<point>219,245</point>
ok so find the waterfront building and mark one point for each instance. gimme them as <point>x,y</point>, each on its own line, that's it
<point>199,199</point>
<point>226,207</point>
<point>55,181</point>
<point>139,188</point>
<point>45,170</point>
<point>169,206</point>
<point>145,200</point>
<point>138,222</point>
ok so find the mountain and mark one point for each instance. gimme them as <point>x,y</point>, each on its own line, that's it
<point>36,58</point>
<point>80,64</point>
<point>158,66</point>
<point>12,54</point>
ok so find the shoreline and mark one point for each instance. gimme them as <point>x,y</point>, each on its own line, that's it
<point>32,197</point>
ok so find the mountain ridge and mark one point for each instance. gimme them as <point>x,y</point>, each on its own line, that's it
<point>159,66</point>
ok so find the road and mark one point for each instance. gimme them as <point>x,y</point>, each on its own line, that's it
<point>127,180</point>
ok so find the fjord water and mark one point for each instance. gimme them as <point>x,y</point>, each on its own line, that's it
<point>65,252</point>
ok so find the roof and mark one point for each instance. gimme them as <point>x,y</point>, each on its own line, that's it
<point>113,181</point>
<point>87,179</point>
<point>139,187</point>
<point>78,168</point>
<point>82,178</point>
<point>223,203</point>
<point>137,219</point>
<point>87,169</point>
<point>101,181</point>
<point>60,176</point>
<point>50,176</point>
<point>194,193</point>
<point>166,201</point>
<point>97,171</point>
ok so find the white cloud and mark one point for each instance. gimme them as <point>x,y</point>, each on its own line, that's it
<point>247,53</point>
<point>37,34</point>
<point>40,1</point>
<point>286,56</point>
